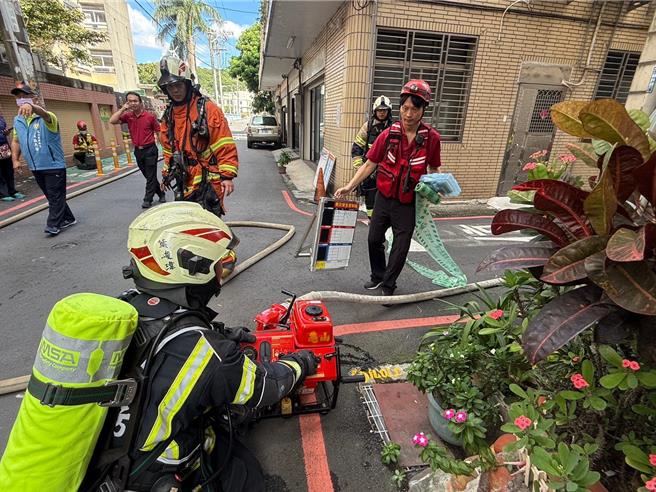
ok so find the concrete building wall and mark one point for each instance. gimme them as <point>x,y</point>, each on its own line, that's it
<point>69,104</point>
<point>550,33</point>
<point>124,77</point>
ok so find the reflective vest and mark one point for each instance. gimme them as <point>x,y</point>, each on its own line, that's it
<point>397,175</point>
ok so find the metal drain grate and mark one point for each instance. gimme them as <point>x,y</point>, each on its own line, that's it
<point>374,414</point>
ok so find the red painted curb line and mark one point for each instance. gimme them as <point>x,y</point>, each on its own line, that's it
<point>42,198</point>
<point>400,324</point>
<point>317,470</point>
<point>290,204</point>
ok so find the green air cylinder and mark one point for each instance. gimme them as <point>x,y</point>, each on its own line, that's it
<point>82,345</point>
<point>425,191</point>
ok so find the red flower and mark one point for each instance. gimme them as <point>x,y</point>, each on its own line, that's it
<point>626,363</point>
<point>634,366</point>
<point>652,459</point>
<point>523,422</point>
<point>651,485</point>
<point>496,314</point>
<point>529,166</point>
<point>579,381</point>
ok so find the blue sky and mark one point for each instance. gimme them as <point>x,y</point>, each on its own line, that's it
<point>236,14</point>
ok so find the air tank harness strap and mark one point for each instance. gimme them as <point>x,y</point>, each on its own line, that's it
<point>112,394</point>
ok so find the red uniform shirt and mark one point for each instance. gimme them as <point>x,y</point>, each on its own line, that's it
<point>141,127</point>
<point>377,151</point>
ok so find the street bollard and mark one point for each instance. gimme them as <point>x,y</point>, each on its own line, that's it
<point>112,143</point>
<point>99,167</point>
<point>126,144</point>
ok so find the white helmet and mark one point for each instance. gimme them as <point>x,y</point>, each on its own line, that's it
<point>382,102</point>
<point>178,243</point>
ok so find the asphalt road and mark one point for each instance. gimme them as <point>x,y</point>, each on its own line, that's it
<point>37,271</point>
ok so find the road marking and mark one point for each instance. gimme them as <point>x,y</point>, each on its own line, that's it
<point>483,233</point>
<point>395,324</point>
<point>317,470</point>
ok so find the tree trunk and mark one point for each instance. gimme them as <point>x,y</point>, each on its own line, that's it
<point>191,49</point>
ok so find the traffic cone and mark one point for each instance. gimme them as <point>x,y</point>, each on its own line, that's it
<point>320,190</point>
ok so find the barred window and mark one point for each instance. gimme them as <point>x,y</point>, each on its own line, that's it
<point>617,75</point>
<point>540,119</point>
<point>445,61</point>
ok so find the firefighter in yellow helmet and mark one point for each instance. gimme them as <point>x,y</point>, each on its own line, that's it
<point>179,439</point>
<point>381,119</point>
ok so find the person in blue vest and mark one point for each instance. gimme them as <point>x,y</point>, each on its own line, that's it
<point>37,139</point>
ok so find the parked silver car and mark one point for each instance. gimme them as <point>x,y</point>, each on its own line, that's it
<point>263,129</point>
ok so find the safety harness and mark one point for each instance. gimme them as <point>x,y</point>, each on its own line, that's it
<point>398,176</point>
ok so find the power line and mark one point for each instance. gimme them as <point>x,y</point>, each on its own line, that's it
<point>205,62</point>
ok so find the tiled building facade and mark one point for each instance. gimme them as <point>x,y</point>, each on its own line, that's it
<point>493,65</point>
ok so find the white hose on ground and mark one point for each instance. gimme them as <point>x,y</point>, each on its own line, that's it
<point>241,266</point>
<point>332,295</point>
<point>43,206</point>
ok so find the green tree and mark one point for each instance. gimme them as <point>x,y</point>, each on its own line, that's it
<point>57,34</point>
<point>180,21</point>
<point>246,67</point>
<point>148,72</point>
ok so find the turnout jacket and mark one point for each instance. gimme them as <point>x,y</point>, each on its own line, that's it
<point>83,143</point>
<point>214,156</point>
<point>195,369</point>
<point>365,139</point>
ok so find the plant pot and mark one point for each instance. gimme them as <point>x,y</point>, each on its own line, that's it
<point>282,170</point>
<point>439,423</point>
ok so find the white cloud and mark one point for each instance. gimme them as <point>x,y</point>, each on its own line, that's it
<point>232,29</point>
<point>144,32</point>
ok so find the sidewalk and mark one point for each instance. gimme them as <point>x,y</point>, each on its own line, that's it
<point>75,179</point>
<point>300,180</point>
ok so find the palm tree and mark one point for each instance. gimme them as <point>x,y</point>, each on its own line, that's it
<point>179,21</point>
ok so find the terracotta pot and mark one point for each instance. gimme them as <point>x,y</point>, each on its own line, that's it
<point>597,487</point>
<point>502,441</point>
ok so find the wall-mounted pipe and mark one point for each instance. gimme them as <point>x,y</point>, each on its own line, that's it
<point>568,83</point>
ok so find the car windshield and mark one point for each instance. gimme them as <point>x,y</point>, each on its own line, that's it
<point>264,121</point>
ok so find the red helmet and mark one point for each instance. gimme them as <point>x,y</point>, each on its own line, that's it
<point>419,88</point>
<point>81,125</point>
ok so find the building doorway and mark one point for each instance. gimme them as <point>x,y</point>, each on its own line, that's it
<point>531,130</point>
<point>317,101</point>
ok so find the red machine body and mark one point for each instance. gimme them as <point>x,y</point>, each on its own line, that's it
<point>308,326</point>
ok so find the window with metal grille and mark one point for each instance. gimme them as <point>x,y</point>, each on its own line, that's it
<point>445,61</point>
<point>617,75</point>
<point>540,118</point>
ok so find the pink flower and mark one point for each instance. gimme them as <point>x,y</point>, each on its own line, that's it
<point>652,459</point>
<point>567,158</point>
<point>496,314</point>
<point>544,114</point>
<point>634,366</point>
<point>539,154</point>
<point>523,422</point>
<point>449,414</point>
<point>626,363</point>
<point>579,381</point>
<point>461,417</point>
<point>651,485</point>
<point>420,439</point>
<point>529,166</point>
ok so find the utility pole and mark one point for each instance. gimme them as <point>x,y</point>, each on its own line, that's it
<point>221,50</point>
<point>212,40</point>
<point>16,41</point>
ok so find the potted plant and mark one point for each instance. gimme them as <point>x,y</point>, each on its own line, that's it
<point>465,369</point>
<point>595,409</point>
<point>283,159</point>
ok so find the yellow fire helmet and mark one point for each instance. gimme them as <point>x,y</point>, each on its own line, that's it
<point>178,243</point>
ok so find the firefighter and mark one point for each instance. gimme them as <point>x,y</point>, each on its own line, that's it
<point>200,155</point>
<point>381,118</point>
<point>177,251</point>
<point>403,153</point>
<point>82,145</point>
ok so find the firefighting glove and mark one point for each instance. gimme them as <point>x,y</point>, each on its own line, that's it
<point>239,334</point>
<point>306,359</point>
